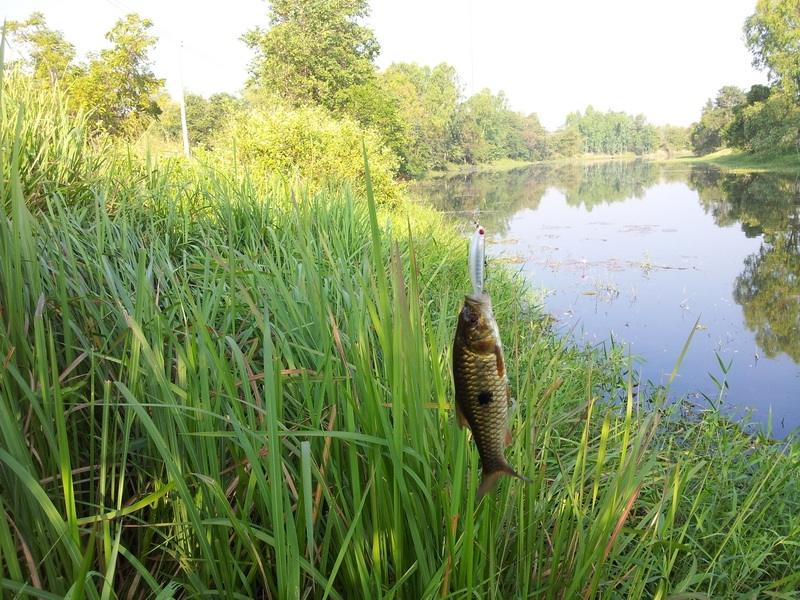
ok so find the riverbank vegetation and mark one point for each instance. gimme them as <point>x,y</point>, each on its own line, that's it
<point>318,57</point>
<point>739,160</point>
<point>229,376</point>
<point>218,382</point>
<point>765,120</point>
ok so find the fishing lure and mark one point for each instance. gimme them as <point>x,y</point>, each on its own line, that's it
<point>477,259</point>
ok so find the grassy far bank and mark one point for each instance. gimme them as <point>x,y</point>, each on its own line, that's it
<point>726,159</point>
<point>734,160</point>
<point>221,384</point>
<point>503,165</point>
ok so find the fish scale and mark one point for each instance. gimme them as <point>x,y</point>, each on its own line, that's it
<point>484,404</point>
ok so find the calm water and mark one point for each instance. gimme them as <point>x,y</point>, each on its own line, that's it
<point>638,252</point>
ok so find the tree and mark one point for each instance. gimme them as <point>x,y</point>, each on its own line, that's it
<point>426,99</point>
<point>486,129</point>
<point>737,133</point>
<point>46,53</point>
<point>673,138</point>
<point>374,109</point>
<point>118,85</point>
<point>535,137</point>
<point>772,34</point>
<point>204,118</point>
<point>729,97</point>
<point>708,135</point>
<point>314,52</point>
<point>613,132</point>
<point>643,136</point>
<point>770,126</point>
<point>566,142</point>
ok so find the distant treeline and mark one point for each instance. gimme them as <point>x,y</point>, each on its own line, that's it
<point>766,118</point>
<point>428,126</point>
<point>315,67</point>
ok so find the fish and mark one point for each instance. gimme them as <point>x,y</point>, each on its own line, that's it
<point>482,393</point>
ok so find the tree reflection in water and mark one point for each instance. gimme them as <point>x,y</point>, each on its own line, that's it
<point>764,205</point>
<point>768,289</point>
<point>498,196</point>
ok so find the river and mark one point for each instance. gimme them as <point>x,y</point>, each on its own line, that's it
<point>637,252</point>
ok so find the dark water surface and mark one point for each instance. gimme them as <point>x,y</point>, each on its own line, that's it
<point>638,252</point>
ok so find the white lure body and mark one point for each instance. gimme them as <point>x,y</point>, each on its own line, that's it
<point>476,260</point>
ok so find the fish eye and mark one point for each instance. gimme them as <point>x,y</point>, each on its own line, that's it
<point>468,315</point>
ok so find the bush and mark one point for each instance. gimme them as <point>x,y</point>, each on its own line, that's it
<point>310,143</point>
<point>771,125</point>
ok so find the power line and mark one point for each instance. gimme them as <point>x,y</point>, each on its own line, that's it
<point>167,34</point>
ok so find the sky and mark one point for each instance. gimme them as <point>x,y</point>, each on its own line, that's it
<point>662,59</point>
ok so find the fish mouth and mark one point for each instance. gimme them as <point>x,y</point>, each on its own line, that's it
<point>481,300</point>
<point>479,304</point>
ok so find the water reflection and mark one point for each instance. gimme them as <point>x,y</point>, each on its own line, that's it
<point>639,250</point>
<point>768,289</point>
<point>497,196</point>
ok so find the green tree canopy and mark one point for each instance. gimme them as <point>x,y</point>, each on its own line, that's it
<point>772,33</point>
<point>46,54</point>
<point>311,143</point>
<point>672,138</point>
<point>117,86</point>
<point>204,117</point>
<point>535,137</point>
<point>426,99</point>
<point>486,129</point>
<point>708,134</point>
<point>314,52</point>
<point>566,142</point>
<point>613,132</point>
<point>768,119</point>
<point>729,97</point>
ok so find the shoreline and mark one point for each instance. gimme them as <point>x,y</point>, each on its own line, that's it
<point>506,165</point>
<point>726,159</point>
<point>735,161</point>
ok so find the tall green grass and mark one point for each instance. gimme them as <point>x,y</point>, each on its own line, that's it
<point>212,385</point>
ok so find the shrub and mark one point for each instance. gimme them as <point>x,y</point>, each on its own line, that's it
<point>310,143</point>
<point>771,125</point>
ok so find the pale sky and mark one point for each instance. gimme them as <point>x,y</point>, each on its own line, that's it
<point>663,59</point>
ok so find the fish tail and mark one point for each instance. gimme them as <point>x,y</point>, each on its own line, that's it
<point>489,478</point>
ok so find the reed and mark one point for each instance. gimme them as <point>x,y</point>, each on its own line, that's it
<point>215,385</point>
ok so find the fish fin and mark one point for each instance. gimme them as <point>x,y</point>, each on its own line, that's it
<point>489,479</point>
<point>501,364</point>
<point>509,440</point>
<point>460,418</point>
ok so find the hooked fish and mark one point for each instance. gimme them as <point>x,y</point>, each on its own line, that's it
<point>479,373</point>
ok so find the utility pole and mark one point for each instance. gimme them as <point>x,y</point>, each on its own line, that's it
<point>184,129</point>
